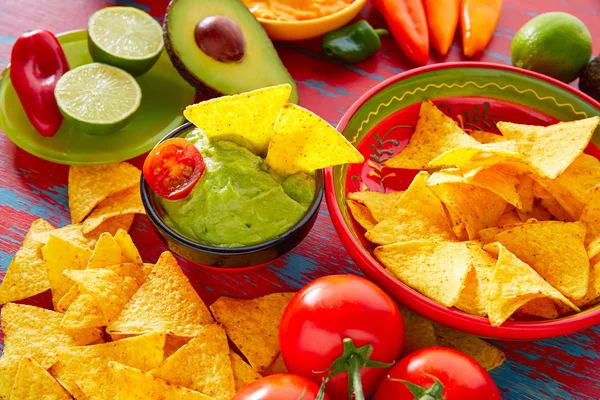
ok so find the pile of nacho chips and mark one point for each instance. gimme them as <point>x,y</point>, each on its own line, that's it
<point>493,225</point>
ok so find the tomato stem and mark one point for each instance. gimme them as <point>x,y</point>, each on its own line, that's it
<point>354,381</point>
<point>435,392</point>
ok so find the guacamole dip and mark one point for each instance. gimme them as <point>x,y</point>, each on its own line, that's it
<point>238,201</point>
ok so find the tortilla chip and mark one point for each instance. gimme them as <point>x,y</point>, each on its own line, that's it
<point>203,365</point>
<point>89,186</point>
<point>435,134</point>
<point>420,216</point>
<point>578,181</point>
<point>252,325</point>
<point>472,206</point>
<point>553,148</point>
<point>488,235</point>
<point>487,137</point>
<point>543,307</point>
<point>493,179</point>
<point>486,355</point>
<point>109,291</point>
<point>381,205</point>
<point>26,275</point>
<point>84,312</point>
<point>555,250</point>
<point>60,255</point>
<point>112,226</point>
<point>35,332</point>
<point>165,303</point>
<point>133,384</point>
<point>8,371</point>
<point>70,233</point>
<point>303,141</point>
<point>509,218</point>
<point>418,331</point>
<point>84,370</point>
<point>128,201</point>
<point>556,210</point>
<point>361,214</point>
<point>539,213</point>
<point>243,373</point>
<point>107,252</point>
<point>473,298</point>
<point>33,382</point>
<point>251,116</point>
<point>277,367</point>
<point>65,302</point>
<point>525,191</point>
<point>129,252</point>
<point>462,155</point>
<point>139,272</point>
<point>506,294</point>
<point>445,264</point>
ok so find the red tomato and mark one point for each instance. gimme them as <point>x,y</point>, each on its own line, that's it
<point>460,375</point>
<point>173,168</point>
<point>329,310</point>
<point>279,387</point>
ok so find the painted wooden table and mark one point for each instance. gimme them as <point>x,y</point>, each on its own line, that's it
<point>30,188</point>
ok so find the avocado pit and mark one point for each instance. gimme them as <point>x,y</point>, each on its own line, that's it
<point>221,38</point>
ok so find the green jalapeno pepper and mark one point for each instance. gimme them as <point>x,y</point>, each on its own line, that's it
<point>353,43</point>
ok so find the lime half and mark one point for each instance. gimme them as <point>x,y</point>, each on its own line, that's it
<point>125,37</point>
<point>97,98</point>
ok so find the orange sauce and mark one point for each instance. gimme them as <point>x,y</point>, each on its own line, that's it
<point>295,10</point>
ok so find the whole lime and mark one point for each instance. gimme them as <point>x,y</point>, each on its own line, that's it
<point>556,44</point>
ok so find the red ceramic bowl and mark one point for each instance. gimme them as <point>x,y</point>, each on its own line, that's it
<point>476,95</point>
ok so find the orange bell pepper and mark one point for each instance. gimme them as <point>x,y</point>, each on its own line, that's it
<point>406,20</point>
<point>442,18</point>
<point>478,22</point>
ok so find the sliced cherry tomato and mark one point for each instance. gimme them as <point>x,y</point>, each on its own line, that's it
<point>346,320</point>
<point>279,387</point>
<point>458,376</point>
<point>173,168</point>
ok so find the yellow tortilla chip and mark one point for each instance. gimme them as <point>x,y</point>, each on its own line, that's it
<point>488,235</point>
<point>473,298</point>
<point>555,250</point>
<point>109,291</point>
<point>243,373</point>
<point>303,141</point>
<point>203,365</point>
<point>418,331</point>
<point>165,303</point>
<point>107,252</point>
<point>26,275</point>
<point>556,210</point>
<point>591,217</point>
<point>381,205</point>
<point>65,302</point>
<point>70,233</point>
<point>84,370</point>
<point>462,155</point>
<point>33,382</point>
<point>472,206</point>
<point>129,252</point>
<point>60,255</point>
<point>133,384</point>
<point>277,367</point>
<point>525,191</point>
<point>435,134</point>
<point>509,218</point>
<point>553,148</point>
<point>445,264</point>
<point>486,355</point>
<point>84,312</point>
<point>593,293</point>
<point>543,307</point>
<point>112,226</point>
<point>420,216</point>
<point>128,201</point>
<point>487,137</point>
<point>88,186</point>
<point>361,214</point>
<point>513,284</point>
<point>251,116</point>
<point>8,370</point>
<point>252,325</point>
<point>35,333</point>
<point>539,213</point>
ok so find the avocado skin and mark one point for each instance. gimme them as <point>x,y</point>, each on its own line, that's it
<point>201,86</point>
<point>589,82</point>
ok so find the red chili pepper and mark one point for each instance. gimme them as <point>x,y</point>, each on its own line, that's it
<point>406,20</point>
<point>36,63</point>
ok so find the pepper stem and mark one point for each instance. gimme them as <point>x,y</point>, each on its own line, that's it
<point>382,32</point>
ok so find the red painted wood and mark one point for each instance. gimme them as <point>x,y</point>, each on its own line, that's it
<point>563,368</point>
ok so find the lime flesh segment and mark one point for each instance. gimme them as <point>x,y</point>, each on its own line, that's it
<point>125,37</point>
<point>97,98</point>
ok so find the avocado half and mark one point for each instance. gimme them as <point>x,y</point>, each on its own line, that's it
<point>259,67</point>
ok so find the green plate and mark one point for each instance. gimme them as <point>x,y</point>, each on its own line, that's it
<point>164,96</point>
